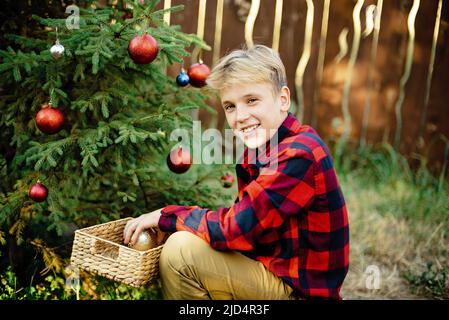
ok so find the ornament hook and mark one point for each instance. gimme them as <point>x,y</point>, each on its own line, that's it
<point>57,36</point>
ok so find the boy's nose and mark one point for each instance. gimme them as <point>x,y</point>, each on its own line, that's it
<point>242,114</point>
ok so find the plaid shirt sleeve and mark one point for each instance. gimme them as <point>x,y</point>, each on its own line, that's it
<point>258,210</point>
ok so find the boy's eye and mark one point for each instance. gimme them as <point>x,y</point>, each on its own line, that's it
<point>252,100</point>
<point>228,107</point>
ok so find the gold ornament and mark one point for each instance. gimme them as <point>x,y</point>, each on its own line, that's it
<point>144,242</point>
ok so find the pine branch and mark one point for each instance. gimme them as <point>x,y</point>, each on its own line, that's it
<point>51,259</point>
<point>46,155</point>
<point>2,238</point>
<point>17,230</point>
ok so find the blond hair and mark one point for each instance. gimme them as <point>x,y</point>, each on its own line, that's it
<point>254,65</point>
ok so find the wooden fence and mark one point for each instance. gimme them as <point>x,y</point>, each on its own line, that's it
<point>361,72</point>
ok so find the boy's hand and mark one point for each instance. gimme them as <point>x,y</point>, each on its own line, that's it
<point>135,226</point>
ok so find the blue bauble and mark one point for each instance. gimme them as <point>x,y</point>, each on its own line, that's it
<point>182,79</point>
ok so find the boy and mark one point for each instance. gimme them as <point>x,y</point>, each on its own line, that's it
<point>286,236</point>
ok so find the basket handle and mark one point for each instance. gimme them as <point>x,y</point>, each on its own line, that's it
<point>104,249</point>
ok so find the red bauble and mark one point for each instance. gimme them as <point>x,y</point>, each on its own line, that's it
<point>198,74</point>
<point>38,192</point>
<point>179,160</point>
<point>144,49</point>
<point>49,120</point>
<point>227,180</point>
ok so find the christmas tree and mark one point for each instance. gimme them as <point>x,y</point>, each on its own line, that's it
<point>85,125</point>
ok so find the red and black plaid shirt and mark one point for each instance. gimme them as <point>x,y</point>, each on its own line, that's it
<point>290,216</point>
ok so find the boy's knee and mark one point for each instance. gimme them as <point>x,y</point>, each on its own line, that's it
<point>181,254</point>
<point>179,250</point>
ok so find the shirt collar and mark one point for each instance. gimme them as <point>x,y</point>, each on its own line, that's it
<point>289,127</point>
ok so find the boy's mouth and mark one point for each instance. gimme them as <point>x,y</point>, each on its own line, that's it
<point>250,128</point>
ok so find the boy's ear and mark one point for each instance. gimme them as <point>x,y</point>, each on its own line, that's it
<point>285,98</point>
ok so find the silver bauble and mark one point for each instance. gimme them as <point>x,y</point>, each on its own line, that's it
<point>57,50</point>
<point>144,242</point>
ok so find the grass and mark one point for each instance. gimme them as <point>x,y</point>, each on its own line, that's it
<point>399,222</point>
<point>432,281</point>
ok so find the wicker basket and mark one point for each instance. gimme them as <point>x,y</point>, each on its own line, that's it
<point>99,249</point>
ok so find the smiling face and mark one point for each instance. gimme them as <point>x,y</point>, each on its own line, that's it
<point>254,112</point>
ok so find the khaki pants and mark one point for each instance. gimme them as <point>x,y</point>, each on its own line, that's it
<point>191,269</point>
